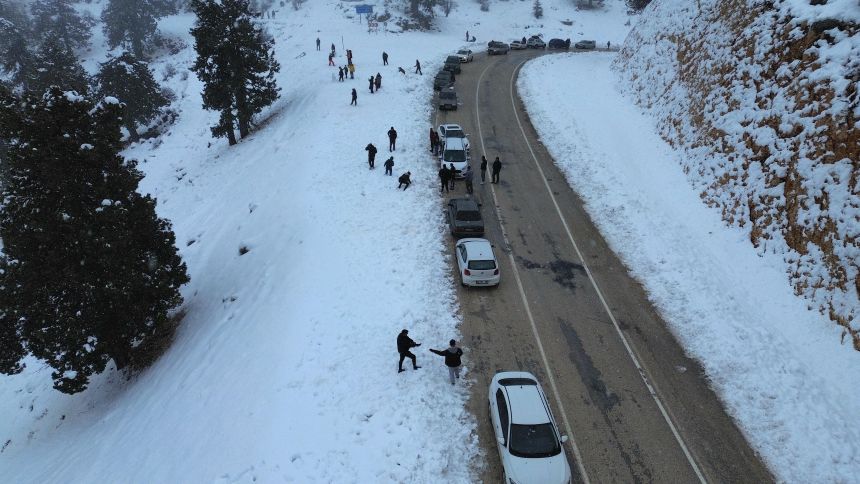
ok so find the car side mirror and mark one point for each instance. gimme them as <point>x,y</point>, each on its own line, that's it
<point>501,441</point>
<point>564,439</point>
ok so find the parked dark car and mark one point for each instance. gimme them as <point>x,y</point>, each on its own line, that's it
<point>497,48</point>
<point>452,63</point>
<point>448,99</point>
<point>585,44</point>
<point>464,218</point>
<point>442,80</point>
<point>558,44</point>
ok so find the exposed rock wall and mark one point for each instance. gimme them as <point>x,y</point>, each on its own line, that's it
<point>763,98</point>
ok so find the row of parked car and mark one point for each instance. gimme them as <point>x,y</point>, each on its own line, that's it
<point>536,42</point>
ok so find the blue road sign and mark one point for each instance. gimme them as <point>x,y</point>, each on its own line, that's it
<point>360,9</point>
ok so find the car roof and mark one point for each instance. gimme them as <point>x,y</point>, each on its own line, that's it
<point>526,405</point>
<point>478,249</point>
<point>464,203</point>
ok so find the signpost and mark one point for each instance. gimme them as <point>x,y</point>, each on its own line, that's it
<point>363,9</point>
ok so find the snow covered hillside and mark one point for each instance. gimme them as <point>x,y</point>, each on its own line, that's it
<point>762,97</point>
<point>304,267</point>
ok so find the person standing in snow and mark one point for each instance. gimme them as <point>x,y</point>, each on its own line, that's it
<point>392,139</point>
<point>349,56</point>
<point>453,361</point>
<point>371,84</point>
<point>389,166</point>
<point>351,70</point>
<point>331,59</point>
<point>318,43</point>
<point>404,344</point>
<point>444,176</point>
<point>371,154</point>
<point>467,36</point>
<point>418,67</point>
<point>340,74</point>
<point>332,49</point>
<point>483,169</point>
<point>453,172</point>
<point>432,140</point>
<point>354,98</point>
<point>378,81</point>
<point>467,176</point>
<point>497,167</point>
<point>384,58</point>
<point>405,181</point>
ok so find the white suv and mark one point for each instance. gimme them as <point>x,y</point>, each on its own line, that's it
<point>530,445</point>
<point>477,263</point>
<point>454,152</point>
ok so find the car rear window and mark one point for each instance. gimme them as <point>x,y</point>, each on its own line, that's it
<point>534,441</point>
<point>468,216</point>
<point>454,133</point>
<point>447,95</point>
<point>482,265</point>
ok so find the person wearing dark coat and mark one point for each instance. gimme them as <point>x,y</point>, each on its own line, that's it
<point>378,81</point>
<point>354,98</point>
<point>371,84</point>
<point>497,167</point>
<point>404,180</point>
<point>392,139</point>
<point>483,169</point>
<point>318,43</point>
<point>453,172</point>
<point>384,58</point>
<point>418,67</point>
<point>371,154</point>
<point>404,344</point>
<point>389,165</point>
<point>433,141</point>
<point>340,74</point>
<point>453,361</point>
<point>332,48</point>
<point>444,178</point>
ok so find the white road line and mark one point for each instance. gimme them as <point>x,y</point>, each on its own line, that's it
<point>577,456</point>
<point>627,346</point>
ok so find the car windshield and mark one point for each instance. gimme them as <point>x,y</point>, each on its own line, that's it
<point>533,441</point>
<point>468,216</point>
<point>463,52</point>
<point>456,156</point>
<point>482,265</point>
<point>454,133</point>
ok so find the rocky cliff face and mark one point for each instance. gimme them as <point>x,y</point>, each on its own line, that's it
<point>762,95</point>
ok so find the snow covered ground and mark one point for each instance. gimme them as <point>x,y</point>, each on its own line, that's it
<point>775,364</point>
<point>284,368</point>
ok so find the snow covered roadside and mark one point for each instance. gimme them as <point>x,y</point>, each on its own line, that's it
<point>774,363</point>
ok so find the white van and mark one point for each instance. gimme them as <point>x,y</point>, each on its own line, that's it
<point>455,152</point>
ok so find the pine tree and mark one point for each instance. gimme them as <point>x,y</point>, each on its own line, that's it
<point>235,63</point>
<point>90,272</point>
<point>57,19</point>
<point>133,23</point>
<point>537,9</point>
<point>56,65</point>
<point>15,29</point>
<point>129,79</point>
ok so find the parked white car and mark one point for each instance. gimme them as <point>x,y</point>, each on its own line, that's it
<point>530,446</point>
<point>452,131</point>
<point>465,55</point>
<point>477,262</point>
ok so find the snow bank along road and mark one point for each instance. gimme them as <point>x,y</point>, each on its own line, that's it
<point>638,409</point>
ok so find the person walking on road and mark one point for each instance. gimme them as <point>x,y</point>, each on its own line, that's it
<point>405,181</point>
<point>389,165</point>
<point>371,154</point>
<point>404,344</point>
<point>483,169</point>
<point>497,167</point>
<point>318,43</point>
<point>467,177</point>
<point>418,67</point>
<point>392,139</point>
<point>453,356</point>
<point>444,176</point>
<point>354,98</point>
<point>453,172</point>
<point>384,58</point>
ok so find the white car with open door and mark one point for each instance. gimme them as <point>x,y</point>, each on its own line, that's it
<point>477,262</point>
<point>530,446</point>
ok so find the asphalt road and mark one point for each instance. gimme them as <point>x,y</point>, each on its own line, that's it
<point>636,408</point>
